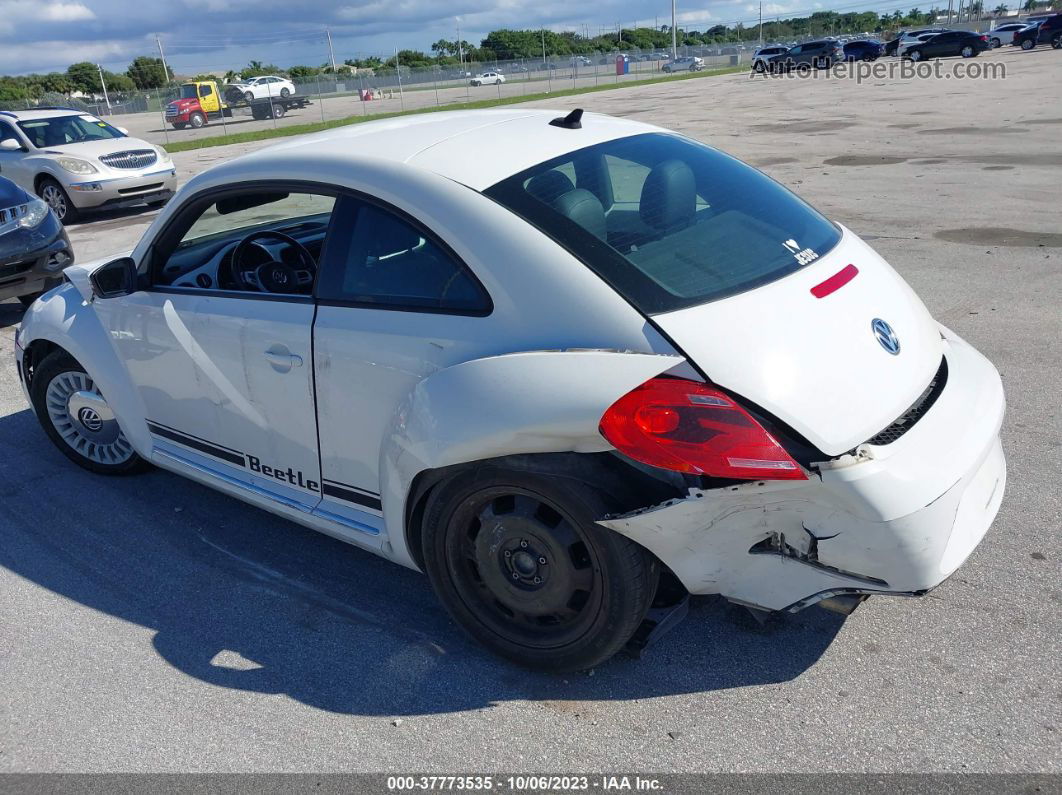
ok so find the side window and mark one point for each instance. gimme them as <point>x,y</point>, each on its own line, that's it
<point>7,131</point>
<point>205,91</point>
<point>384,260</point>
<point>797,50</point>
<point>289,230</point>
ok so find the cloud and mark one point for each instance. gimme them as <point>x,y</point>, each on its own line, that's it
<point>210,35</point>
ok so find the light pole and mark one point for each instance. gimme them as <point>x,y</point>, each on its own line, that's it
<point>674,33</point>
<point>104,84</point>
<point>460,47</point>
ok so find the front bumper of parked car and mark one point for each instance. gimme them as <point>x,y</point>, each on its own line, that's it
<point>32,260</point>
<point>113,189</point>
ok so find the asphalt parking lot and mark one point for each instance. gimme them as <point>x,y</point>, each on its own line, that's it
<point>151,624</point>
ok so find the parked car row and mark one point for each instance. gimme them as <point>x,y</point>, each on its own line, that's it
<point>937,42</point>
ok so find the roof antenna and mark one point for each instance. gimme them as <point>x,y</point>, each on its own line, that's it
<point>570,122</point>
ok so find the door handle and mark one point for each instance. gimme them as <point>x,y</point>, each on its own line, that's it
<point>281,359</point>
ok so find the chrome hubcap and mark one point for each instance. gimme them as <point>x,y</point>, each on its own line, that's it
<point>55,199</point>
<point>82,417</point>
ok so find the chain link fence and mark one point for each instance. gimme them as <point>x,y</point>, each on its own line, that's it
<point>327,96</point>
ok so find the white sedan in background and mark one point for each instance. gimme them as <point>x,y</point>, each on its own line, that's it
<point>574,371</point>
<point>263,87</point>
<point>1004,34</point>
<point>488,78</point>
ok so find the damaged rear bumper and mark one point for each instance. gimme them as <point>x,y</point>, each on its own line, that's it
<point>897,519</point>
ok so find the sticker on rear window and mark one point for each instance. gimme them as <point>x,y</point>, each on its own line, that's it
<point>803,256</point>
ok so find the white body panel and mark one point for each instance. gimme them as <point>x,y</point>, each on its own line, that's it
<point>813,362</point>
<point>896,519</point>
<point>215,368</point>
<point>395,394</point>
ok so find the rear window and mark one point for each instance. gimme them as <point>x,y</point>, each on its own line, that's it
<point>668,222</point>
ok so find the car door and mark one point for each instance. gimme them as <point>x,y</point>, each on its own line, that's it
<point>395,304</point>
<point>942,44</point>
<point>13,163</point>
<point>223,365</point>
<point>208,99</point>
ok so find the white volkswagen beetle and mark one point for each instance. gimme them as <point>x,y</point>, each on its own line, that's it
<point>573,372</point>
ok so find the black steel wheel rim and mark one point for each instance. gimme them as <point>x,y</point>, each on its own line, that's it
<point>523,568</point>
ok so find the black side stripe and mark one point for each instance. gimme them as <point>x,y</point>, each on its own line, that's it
<point>197,444</point>
<point>347,495</point>
<point>193,436</point>
<point>343,485</point>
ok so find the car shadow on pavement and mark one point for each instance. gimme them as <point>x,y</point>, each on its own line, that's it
<point>241,599</point>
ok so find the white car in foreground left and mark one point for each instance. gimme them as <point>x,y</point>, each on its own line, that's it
<point>573,370</point>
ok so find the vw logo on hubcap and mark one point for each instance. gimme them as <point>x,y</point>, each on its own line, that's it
<point>89,418</point>
<point>885,335</point>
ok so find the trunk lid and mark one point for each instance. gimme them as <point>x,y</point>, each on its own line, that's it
<point>816,363</point>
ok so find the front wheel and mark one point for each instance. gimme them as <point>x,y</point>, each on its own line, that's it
<point>519,562</point>
<point>56,198</point>
<point>1056,42</point>
<point>758,67</point>
<point>197,120</point>
<point>1028,44</point>
<point>76,417</point>
<point>994,43</point>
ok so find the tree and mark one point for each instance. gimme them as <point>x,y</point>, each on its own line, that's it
<point>147,72</point>
<point>58,83</point>
<point>117,82</point>
<point>256,68</point>
<point>1000,10</point>
<point>84,76</point>
<point>303,72</point>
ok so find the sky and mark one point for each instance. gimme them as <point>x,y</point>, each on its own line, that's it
<point>211,35</point>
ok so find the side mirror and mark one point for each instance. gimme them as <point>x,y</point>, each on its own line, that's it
<point>122,130</point>
<point>10,145</point>
<point>115,279</point>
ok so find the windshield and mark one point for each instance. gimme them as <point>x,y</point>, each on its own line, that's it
<point>59,130</point>
<point>669,222</point>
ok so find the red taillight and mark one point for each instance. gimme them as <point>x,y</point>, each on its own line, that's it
<point>984,38</point>
<point>685,426</point>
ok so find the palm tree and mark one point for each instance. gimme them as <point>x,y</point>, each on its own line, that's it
<point>1000,10</point>
<point>1030,5</point>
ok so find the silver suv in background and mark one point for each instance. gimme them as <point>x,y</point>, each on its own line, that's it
<point>77,162</point>
<point>686,64</point>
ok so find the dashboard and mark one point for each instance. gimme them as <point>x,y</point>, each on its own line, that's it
<point>207,264</point>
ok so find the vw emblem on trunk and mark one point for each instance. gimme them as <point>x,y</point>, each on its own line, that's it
<point>885,335</point>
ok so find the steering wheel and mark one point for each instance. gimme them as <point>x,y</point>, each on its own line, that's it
<point>273,276</point>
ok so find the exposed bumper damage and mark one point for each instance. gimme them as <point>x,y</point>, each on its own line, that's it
<point>888,520</point>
